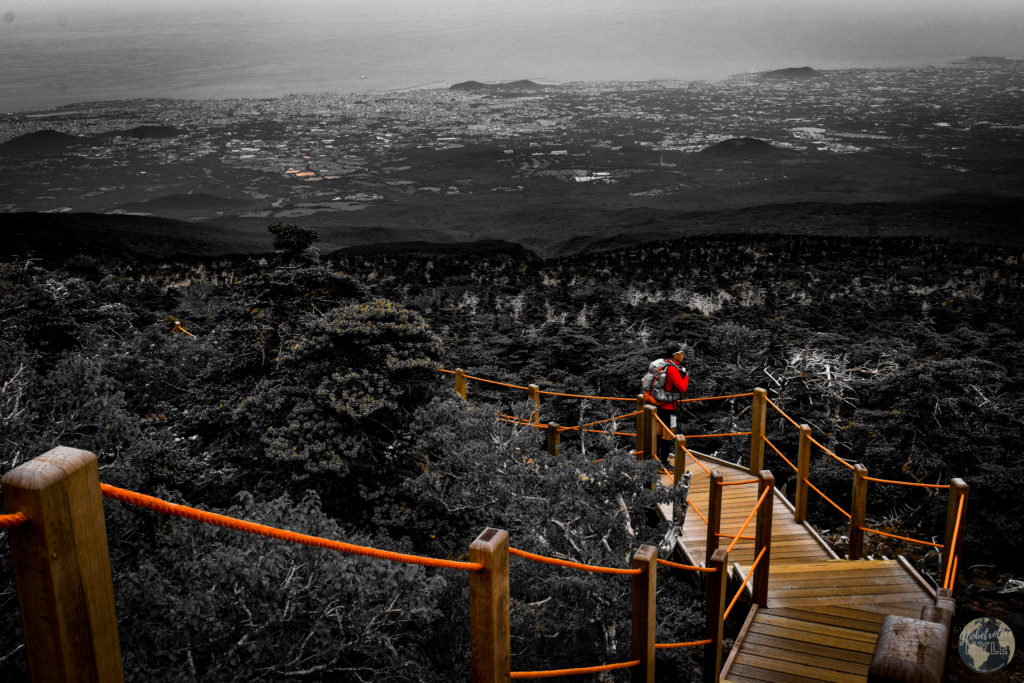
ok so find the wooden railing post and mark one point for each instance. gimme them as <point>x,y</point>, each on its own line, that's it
<point>679,463</point>
<point>554,437</point>
<point>757,420</point>
<point>460,383</point>
<point>62,568</point>
<point>534,393</point>
<point>803,472</point>
<point>651,432</point>
<point>715,621</point>
<point>858,514</point>
<point>714,513</point>
<point>957,491</point>
<point>490,635</point>
<point>644,596</point>
<point>763,537</point>
<point>640,431</point>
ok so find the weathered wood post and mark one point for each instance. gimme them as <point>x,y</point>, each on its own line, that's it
<point>803,472</point>
<point>957,492</point>
<point>644,596</point>
<point>757,420</point>
<point>679,461</point>
<point>640,426</point>
<point>858,514</point>
<point>460,383</point>
<point>62,568</point>
<point>554,437</point>
<point>715,621</point>
<point>763,537</point>
<point>651,432</point>
<point>533,391</point>
<point>714,514</point>
<point>490,635</point>
<point>680,476</point>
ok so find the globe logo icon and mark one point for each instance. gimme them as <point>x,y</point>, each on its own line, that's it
<point>986,645</point>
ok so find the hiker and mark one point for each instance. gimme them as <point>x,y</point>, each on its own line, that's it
<point>663,386</point>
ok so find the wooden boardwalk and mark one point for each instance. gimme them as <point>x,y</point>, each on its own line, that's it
<point>823,613</point>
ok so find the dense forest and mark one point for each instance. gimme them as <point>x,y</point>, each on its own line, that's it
<point>303,390</point>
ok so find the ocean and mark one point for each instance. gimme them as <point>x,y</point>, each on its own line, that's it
<point>51,56</point>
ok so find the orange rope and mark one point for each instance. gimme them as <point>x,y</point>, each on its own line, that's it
<point>574,672</point>
<point>848,515</point>
<point>697,510</point>
<point>768,441</point>
<point>665,426</point>
<point>676,565</point>
<point>811,439</point>
<point>566,563</point>
<point>500,384</point>
<point>162,506</point>
<point>952,543</point>
<point>907,483</point>
<point>699,463</point>
<point>750,572</point>
<point>738,483</point>
<point>692,643</point>
<point>708,436</point>
<point>12,520</point>
<point>749,517</point>
<point>772,404</point>
<point>713,398</point>
<point>597,398</point>
<point>952,576</point>
<point>611,419</point>
<point>744,538</point>
<point>450,372</point>
<point>902,538</point>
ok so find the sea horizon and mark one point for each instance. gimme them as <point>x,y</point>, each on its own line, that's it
<point>55,59</point>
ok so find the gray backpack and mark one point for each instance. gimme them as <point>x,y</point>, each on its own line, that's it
<point>653,384</point>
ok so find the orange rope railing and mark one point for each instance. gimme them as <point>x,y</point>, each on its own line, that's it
<point>692,643</point>
<point>12,520</point>
<point>750,572</point>
<point>708,436</point>
<point>848,515</point>
<point>575,672</point>
<point>596,398</point>
<point>500,384</point>
<point>697,510</point>
<point>713,398</point>
<point>749,517</point>
<point>612,419</point>
<point>676,565</point>
<point>664,426</point>
<point>738,483</point>
<point>947,582</point>
<point>742,538</point>
<point>572,565</point>
<point>907,483</point>
<point>162,506</point>
<point>698,462</point>
<point>811,439</point>
<point>952,575</point>
<point>783,414</point>
<point>902,538</point>
<point>769,442</point>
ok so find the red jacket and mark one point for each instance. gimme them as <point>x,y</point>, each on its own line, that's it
<point>675,382</point>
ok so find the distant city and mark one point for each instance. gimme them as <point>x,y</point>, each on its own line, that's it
<point>854,134</point>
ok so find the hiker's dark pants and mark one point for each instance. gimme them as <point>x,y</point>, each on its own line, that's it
<point>666,446</point>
